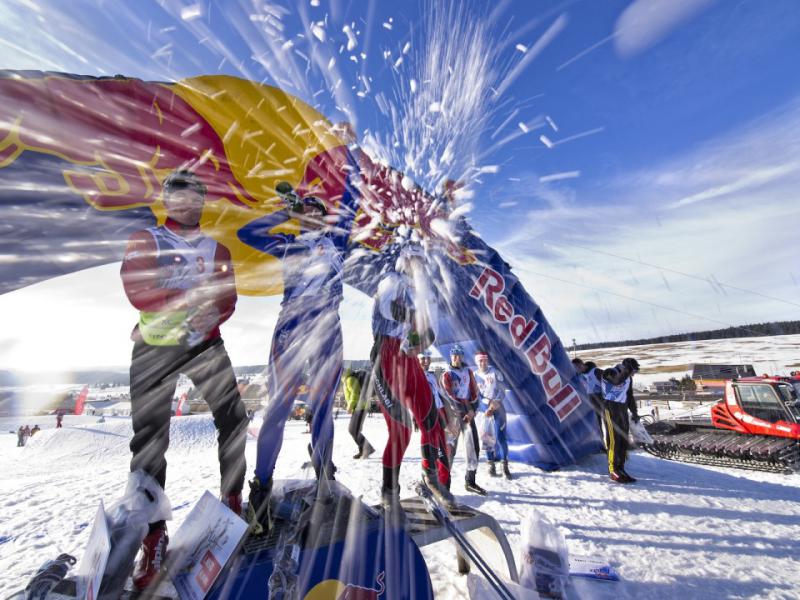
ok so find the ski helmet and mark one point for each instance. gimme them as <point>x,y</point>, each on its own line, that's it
<point>631,364</point>
<point>456,350</point>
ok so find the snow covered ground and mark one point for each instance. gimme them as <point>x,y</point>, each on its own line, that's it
<point>682,531</point>
<point>776,355</point>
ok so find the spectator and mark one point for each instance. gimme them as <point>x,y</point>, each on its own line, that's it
<point>20,436</point>
<point>357,398</point>
<point>491,385</point>
<point>309,419</point>
<point>591,379</point>
<point>441,407</point>
<point>461,391</point>
<point>36,429</point>
<point>617,386</point>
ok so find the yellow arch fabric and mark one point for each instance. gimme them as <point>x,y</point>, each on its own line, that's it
<point>269,136</point>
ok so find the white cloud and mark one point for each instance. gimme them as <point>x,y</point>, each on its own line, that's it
<point>755,179</point>
<point>644,23</point>
<point>53,37</point>
<point>701,241</point>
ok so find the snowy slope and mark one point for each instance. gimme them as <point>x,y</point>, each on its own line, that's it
<point>682,531</point>
<point>775,355</point>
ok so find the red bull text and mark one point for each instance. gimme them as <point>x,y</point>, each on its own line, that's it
<point>561,397</point>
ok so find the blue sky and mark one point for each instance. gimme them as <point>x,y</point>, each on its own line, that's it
<point>635,161</point>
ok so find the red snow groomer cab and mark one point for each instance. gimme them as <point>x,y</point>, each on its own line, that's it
<point>756,426</point>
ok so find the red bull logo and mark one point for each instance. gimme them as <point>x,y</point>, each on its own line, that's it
<point>357,592</point>
<point>121,137</point>
<point>332,589</point>
<point>387,203</point>
<point>561,397</point>
<point>115,140</point>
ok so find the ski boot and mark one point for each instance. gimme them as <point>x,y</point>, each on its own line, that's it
<point>471,486</point>
<point>628,478</point>
<point>430,478</point>
<point>258,513</point>
<point>506,473</point>
<point>618,477</point>
<point>367,450</point>
<point>49,575</point>
<point>390,497</point>
<point>439,491</point>
<point>154,552</point>
<point>493,469</point>
<point>393,512</point>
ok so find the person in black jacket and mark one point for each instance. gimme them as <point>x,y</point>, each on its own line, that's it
<point>618,398</point>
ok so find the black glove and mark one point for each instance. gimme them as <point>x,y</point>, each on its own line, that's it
<point>635,418</point>
<point>290,198</point>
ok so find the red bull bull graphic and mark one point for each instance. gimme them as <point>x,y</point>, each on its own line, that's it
<point>68,141</point>
<point>360,558</point>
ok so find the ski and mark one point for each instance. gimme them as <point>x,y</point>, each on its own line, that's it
<point>443,516</point>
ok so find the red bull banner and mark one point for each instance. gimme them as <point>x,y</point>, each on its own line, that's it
<point>82,161</point>
<point>550,421</point>
<point>80,401</point>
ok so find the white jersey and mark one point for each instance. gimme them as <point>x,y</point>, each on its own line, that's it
<point>591,383</point>
<point>457,386</point>
<point>431,377</point>
<point>490,384</point>
<point>183,263</point>
<point>616,393</point>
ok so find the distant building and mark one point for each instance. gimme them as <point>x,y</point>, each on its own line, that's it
<point>112,408</point>
<point>666,387</point>
<point>355,365</point>
<point>714,376</point>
